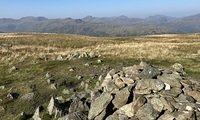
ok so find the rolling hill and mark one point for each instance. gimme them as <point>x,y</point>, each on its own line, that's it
<point>104,26</point>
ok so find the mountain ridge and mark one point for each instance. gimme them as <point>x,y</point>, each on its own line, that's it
<point>104,26</point>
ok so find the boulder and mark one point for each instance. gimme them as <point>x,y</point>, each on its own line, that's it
<point>195,95</point>
<point>149,72</point>
<point>78,105</point>
<point>131,108</point>
<point>157,104</point>
<point>184,115</point>
<point>172,79</point>
<point>121,98</point>
<point>172,92</point>
<point>148,85</point>
<point>166,116</point>
<point>167,105</point>
<point>147,112</point>
<point>178,68</point>
<point>99,105</point>
<point>74,116</point>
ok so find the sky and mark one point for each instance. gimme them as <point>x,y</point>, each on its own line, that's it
<point>97,8</point>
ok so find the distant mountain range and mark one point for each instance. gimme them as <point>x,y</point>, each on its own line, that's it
<point>104,26</point>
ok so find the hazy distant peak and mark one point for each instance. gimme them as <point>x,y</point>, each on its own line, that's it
<point>30,18</point>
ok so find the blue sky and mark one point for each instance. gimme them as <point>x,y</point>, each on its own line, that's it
<point>97,8</point>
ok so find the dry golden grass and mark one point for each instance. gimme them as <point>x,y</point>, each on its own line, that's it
<point>161,47</point>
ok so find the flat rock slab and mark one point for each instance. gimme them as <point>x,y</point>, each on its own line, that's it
<point>99,105</point>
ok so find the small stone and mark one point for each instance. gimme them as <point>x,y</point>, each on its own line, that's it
<point>36,115</point>
<point>178,68</point>
<point>87,64</point>
<point>53,86</point>
<point>28,96</point>
<point>167,86</point>
<point>189,108</point>
<point>59,57</point>
<point>65,91</point>
<point>2,87</point>
<point>48,75</point>
<point>99,61</point>
<point>71,70</point>
<point>60,98</point>
<point>10,96</point>
<point>13,68</point>
<point>49,81</point>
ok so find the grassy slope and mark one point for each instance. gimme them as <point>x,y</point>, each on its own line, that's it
<point>29,50</point>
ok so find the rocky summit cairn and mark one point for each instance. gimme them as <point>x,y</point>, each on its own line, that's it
<point>138,92</point>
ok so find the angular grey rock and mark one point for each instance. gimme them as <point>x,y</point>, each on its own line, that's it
<point>101,115</point>
<point>92,54</point>
<point>195,94</point>
<point>119,83</point>
<point>28,96</point>
<point>157,104</point>
<point>36,115</point>
<point>94,94</point>
<point>179,68</point>
<point>184,115</point>
<point>147,112</point>
<point>78,105</point>
<point>149,72</point>
<point>53,86</point>
<point>131,72</point>
<point>174,92</point>
<point>167,105</point>
<point>117,117</point>
<point>127,81</point>
<point>54,108</point>
<point>148,85</point>
<point>99,105</point>
<point>74,116</point>
<point>166,116</point>
<point>172,79</point>
<point>59,57</point>
<point>185,98</point>
<point>143,87</point>
<point>131,108</point>
<point>66,91</point>
<point>121,98</point>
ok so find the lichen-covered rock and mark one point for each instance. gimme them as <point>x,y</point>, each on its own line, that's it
<point>99,105</point>
<point>147,112</point>
<point>172,79</point>
<point>121,98</point>
<point>28,96</point>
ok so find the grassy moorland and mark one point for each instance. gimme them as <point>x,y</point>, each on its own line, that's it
<point>29,52</point>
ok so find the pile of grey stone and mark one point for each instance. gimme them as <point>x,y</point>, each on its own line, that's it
<point>77,55</point>
<point>138,92</point>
